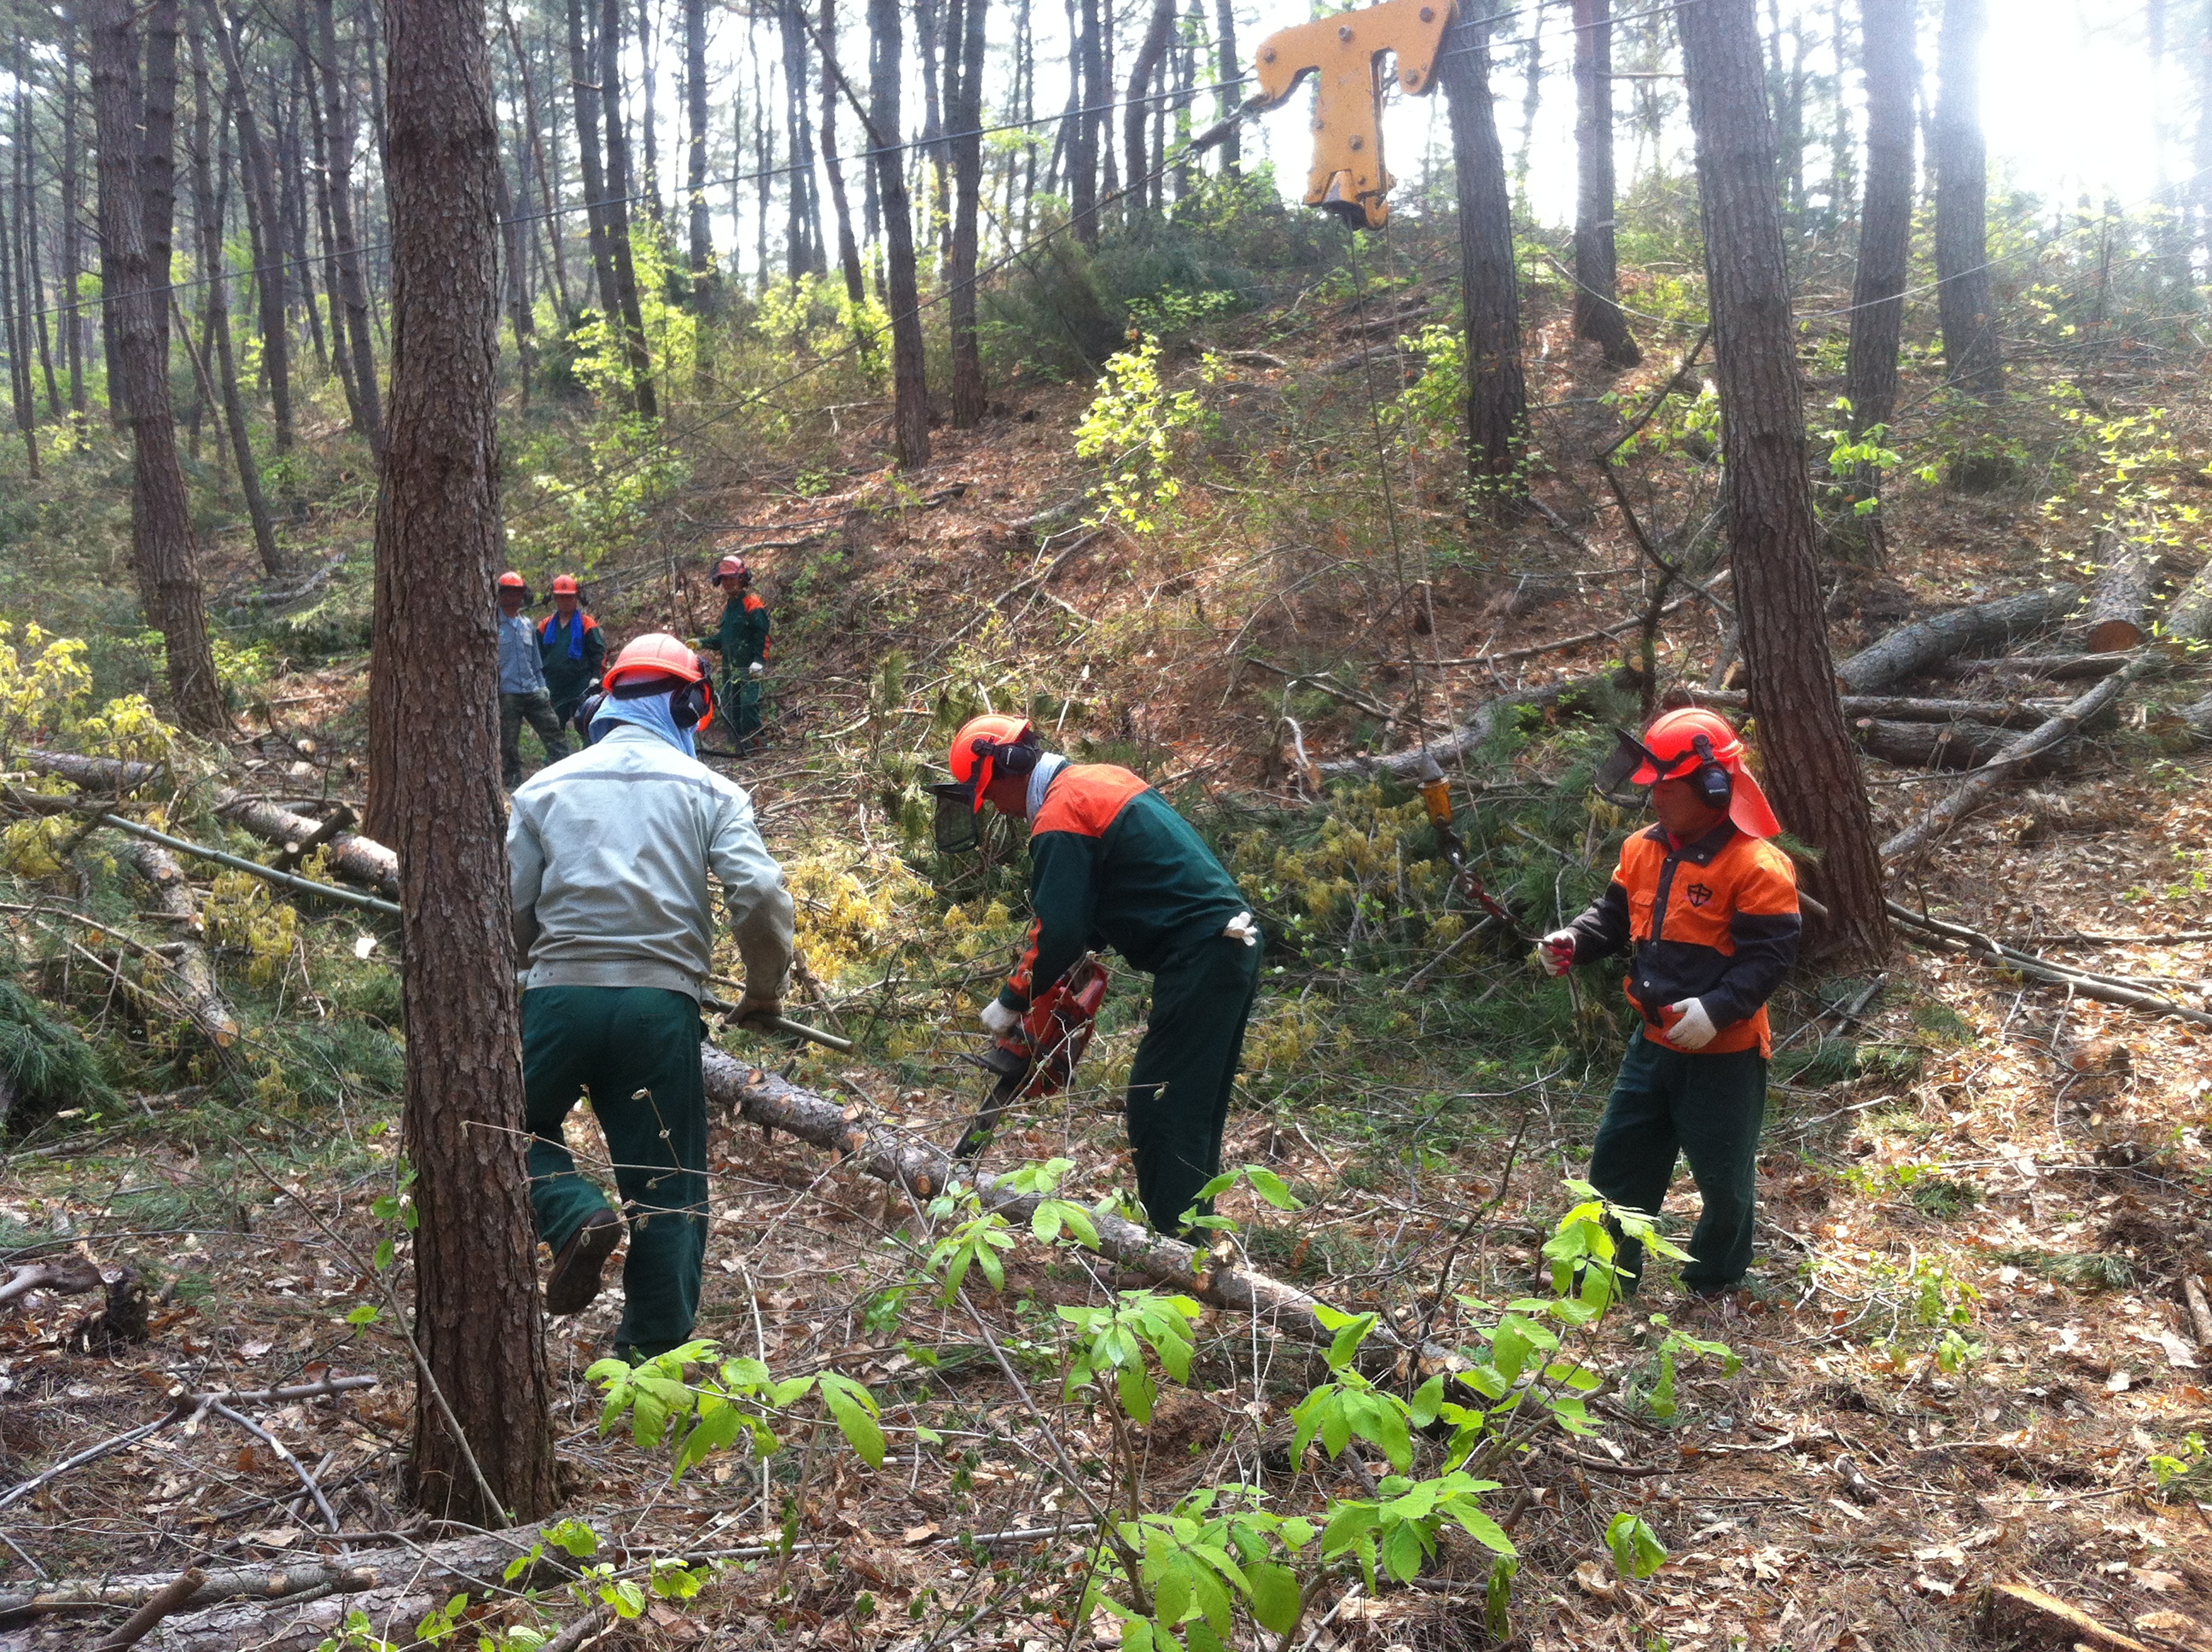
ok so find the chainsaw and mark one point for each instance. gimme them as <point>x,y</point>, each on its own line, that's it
<point>1037,1057</point>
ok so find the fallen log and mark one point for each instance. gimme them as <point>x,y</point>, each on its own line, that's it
<point>102,775</point>
<point>68,1275</point>
<point>1944,745</point>
<point>1912,649</point>
<point>2003,713</point>
<point>2119,598</point>
<point>925,1170</point>
<point>1924,834</point>
<point>1458,742</point>
<point>2188,617</point>
<point>2199,717</point>
<point>2107,989</point>
<point>2057,667</point>
<point>191,973</point>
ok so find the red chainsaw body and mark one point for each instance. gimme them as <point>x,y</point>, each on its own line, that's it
<point>1055,1030</point>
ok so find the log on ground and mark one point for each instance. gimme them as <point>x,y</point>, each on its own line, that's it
<point>1456,743</point>
<point>1945,745</point>
<point>2003,713</point>
<point>1912,649</point>
<point>193,973</point>
<point>2119,598</point>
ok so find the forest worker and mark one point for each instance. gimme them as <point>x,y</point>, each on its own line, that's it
<point>609,854</point>
<point>571,647</point>
<point>1706,908</point>
<point>1112,866</point>
<point>523,696</point>
<point>742,641</point>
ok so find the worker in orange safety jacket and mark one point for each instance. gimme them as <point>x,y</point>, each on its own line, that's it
<point>1706,907</point>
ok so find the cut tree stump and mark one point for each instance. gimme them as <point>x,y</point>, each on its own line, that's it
<point>1912,649</point>
<point>2120,599</point>
<point>191,973</point>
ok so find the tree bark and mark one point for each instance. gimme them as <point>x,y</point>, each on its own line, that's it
<point>909,380</point>
<point>157,161</point>
<point>1890,70</point>
<point>192,976</point>
<point>2120,599</point>
<point>1597,299</point>
<point>1087,72</point>
<point>1497,393</point>
<point>164,554</point>
<point>1966,300</point>
<point>1226,69</point>
<point>1137,110</point>
<point>635,349</point>
<point>14,335</point>
<point>1812,773</point>
<point>802,251</point>
<point>584,82</point>
<point>352,278</point>
<point>699,221</point>
<point>1912,649</point>
<point>263,221</point>
<point>34,281</point>
<point>849,249</point>
<point>214,272</point>
<point>72,247</point>
<point>439,544</point>
<point>966,114</point>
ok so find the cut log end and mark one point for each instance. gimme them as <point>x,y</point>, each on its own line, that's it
<point>2115,636</point>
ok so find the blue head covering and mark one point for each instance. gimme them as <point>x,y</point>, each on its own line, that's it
<point>648,712</point>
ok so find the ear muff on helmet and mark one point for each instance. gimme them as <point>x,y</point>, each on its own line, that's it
<point>1715,786</point>
<point>1018,757</point>
<point>691,705</point>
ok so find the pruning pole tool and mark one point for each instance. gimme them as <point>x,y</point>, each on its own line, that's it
<point>1435,797</point>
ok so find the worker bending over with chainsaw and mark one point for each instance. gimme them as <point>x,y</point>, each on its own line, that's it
<point>742,641</point>
<point>1706,910</point>
<point>1112,866</point>
<point>610,853</point>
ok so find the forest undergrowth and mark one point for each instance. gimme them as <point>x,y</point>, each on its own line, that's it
<point>1237,560</point>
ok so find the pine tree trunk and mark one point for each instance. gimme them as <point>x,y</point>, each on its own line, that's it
<point>1226,71</point>
<point>1597,296</point>
<point>966,114</point>
<point>699,221</point>
<point>909,382</point>
<point>803,246</point>
<point>72,249</point>
<point>439,544</point>
<point>163,553</point>
<point>514,273</point>
<point>584,80</point>
<point>1137,110</point>
<point>649,126</point>
<point>14,336</point>
<point>1966,300</point>
<point>1884,234</point>
<point>214,272</point>
<point>1088,70</point>
<point>639,353</point>
<point>1497,393</point>
<point>34,284</point>
<point>157,163</point>
<point>547,177</point>
<point>353,280</point>
<point>263,219</point>
<point>1813,767</point>
<point>849,249</point>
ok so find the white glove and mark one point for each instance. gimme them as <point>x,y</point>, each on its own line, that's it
<point>1242,928</point>
<point>1555,953</point>
<point>759,668</point>
<point>999,1020</point>
<point>1695,1030</point>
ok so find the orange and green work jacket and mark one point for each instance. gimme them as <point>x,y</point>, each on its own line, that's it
<point>1112,866</point>
<point>1715,920</point>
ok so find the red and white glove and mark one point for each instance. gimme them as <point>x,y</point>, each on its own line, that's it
<point>1555,953</point>
<point>1693,1029</point>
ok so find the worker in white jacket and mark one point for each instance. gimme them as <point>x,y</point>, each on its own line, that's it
<point>610,851</point>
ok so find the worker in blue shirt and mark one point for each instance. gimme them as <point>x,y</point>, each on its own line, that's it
<point>523,695</point>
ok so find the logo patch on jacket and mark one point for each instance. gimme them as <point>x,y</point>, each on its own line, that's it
<point>1698,893</point>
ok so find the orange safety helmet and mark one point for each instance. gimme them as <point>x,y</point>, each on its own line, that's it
<point>1692,742</point>
<point>564,585</point>
<point>731,568</point>
<point>985,743</point>
<point>657,654</point>
<point>513,580</point>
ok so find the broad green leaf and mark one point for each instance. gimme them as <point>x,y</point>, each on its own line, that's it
<point>1271,1187</point>
<point>1428,1401</point>
<point>854,1408</point>
<point>1636,1548</point>
<point>1347,1341</point>
<point>1275,1600</point>
<point>1481,1526</point>
<point>1403,1552</point>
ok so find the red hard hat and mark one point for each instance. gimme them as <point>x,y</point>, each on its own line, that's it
<point>972,760</point>
<point>654,654</point>
<point>564,585</point>
<point>1682,740</point>
<point>511,580</point>
<point>730,568</point>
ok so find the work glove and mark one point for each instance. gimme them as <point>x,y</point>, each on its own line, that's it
<point>756,669</point>
<point>999,1019</point>
<point>759,1008</point>
<point>1243,928</point>
<point>1555,953</point>
<point>1695,1028</point>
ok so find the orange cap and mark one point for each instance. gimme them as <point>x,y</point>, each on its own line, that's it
<point>564,585</point>
<point>973,761</point>
<point>654,654</point>
<point>511,580</point>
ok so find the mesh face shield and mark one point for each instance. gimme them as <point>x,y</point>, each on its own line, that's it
<point>955,820</point>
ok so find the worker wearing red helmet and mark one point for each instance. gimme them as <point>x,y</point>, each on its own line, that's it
<point>1706,907</point>
<point>1111,865</point>
<point>609,854</point>
<point>523,696</point>
<point>571,647</point>
<point>742,641</point>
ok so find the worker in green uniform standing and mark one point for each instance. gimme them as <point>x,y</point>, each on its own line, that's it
<point>742,641</point>
<point>572,648</point>
<point>1111,865</point>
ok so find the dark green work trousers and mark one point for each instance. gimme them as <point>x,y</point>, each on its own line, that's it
<point>1708,1108</point>
<point>1185,1071</point>
<point>635,1049</point>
